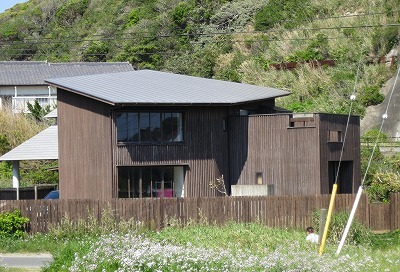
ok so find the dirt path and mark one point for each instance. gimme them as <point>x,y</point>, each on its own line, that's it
<point>31,261</point>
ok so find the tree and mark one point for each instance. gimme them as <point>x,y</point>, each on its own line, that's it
<point>38,112</point>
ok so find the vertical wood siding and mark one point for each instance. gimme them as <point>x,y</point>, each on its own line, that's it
<point>204,150</point>
<point>85,158</point>
<point>332,151</point>
<point>287,157</point>
<point>292,153</point>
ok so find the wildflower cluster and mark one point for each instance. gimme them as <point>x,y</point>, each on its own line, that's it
<point>134,252</point>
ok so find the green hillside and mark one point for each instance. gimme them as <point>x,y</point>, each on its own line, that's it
<point>229,40</point>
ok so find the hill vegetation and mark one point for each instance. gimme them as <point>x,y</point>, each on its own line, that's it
<point>229,40</point>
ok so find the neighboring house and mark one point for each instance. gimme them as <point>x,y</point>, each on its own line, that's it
<point>151,134</point>
<point>23,81</point>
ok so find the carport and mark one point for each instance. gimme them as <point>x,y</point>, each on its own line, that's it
<point>43,146</point>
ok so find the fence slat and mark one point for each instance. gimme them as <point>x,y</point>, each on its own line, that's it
<point>273,211</point>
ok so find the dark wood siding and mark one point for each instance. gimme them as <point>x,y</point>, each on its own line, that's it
<point>330,151</point>
<point>85,157</point>
<point>288,157</point>
<point>204,150</point>
<point>294,153</point>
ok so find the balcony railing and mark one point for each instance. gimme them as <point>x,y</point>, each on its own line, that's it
<point>20,103</point>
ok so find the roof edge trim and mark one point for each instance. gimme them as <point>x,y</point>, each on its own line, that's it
<point>80,93</point>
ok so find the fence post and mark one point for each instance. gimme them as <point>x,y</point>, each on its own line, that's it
<point>393,210</point>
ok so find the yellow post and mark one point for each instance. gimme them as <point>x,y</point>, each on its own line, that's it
<point>328,219</point>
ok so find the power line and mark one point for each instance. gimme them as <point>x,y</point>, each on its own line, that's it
<point>210,34</point>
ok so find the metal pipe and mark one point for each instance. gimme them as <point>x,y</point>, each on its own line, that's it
<point>328,219</point>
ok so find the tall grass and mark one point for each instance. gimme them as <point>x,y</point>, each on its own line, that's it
<point>18,128</point>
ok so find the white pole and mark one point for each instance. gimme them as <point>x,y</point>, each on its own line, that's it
<point>353,211</point>
<point>15,171</point>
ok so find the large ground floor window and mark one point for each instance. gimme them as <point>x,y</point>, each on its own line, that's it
<point>160,181</point>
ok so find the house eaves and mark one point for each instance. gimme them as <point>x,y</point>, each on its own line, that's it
<point>146,87</point>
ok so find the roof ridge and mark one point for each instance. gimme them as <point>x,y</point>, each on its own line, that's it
<point>23,62</point>
<point>86,63</point>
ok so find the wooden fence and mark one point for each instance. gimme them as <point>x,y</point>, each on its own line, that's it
<point>274,211</point>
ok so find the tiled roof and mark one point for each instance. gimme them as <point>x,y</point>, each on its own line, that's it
<point>153,87</point>
<point>14,73</point>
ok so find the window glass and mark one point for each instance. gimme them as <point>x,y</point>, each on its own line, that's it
<point>167,127</point>
<point>162,181</point>
<point>121,127</point>
<point>144,122</point>
<point>149,127</point>
<point>133,126</point>
<point>155,127</point>
<point>259,178</point>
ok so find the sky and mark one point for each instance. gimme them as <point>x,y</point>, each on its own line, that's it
<point>5,4</point>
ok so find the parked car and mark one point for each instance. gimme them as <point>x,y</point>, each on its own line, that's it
<point>53,195</point>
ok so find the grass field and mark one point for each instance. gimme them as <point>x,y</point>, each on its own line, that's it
<point>234,247</point>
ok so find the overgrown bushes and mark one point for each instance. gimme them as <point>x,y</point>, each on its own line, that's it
<point>358,233</point>
<point>12,224</point>
<point>289,13</point>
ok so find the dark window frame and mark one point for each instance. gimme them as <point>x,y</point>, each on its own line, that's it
<point>156,138</point>
<point>147,183</point>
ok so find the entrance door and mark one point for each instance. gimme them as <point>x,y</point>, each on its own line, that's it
<point>345,176</point>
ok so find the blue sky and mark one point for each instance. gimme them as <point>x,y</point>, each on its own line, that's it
<point>5,4</point>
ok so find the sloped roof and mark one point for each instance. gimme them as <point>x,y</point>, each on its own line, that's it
<point>52,114</point>
<point>153,87</point>
<point>14,73</point>
<point>43,146</point>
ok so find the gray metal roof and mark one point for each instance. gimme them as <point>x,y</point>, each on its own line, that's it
<point>153,87</point>
<point>52,114</point>
<point>43,146</point>
<point>35,72</point>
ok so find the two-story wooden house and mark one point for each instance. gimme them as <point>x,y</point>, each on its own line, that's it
<point>152,134</point>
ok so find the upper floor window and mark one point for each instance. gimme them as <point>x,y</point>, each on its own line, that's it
<point>142,127</point>
<point>334,136</point>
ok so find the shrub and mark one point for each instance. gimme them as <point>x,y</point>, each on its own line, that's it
<point>12,224</point>
<point>382,185</point>
<point>290,13</point>
<point>316,50</point>
<point>96,52</point>
<point>371,96</point>
<point>71,11</point>
<point>371,135</point>
<point>358,233</point>
<point>180,15</point>
<point>236,14</point>
<point>4,144</point>
<point>383,40</point>
<point>133,18</point>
